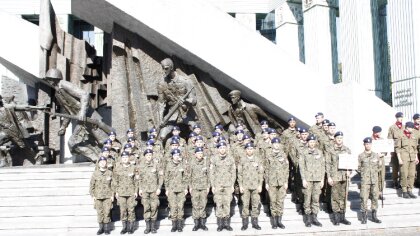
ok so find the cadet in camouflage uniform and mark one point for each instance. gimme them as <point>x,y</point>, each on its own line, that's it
<point>176,187</point>
<point>337,179</point>
<point>103,195</point>
<point>116,144</point>
<point>317,128</point>
<point>376,135</point>
<point>222,178</point>
<point>395,132</point>
<point>250,179</point>
<point>407,149</point>
<point>312,171</point>
<point>199,187</point>
<point>175,134</point>
<point>126,188</point>
<point>297,147</point>
<point>150,183</point>
<point>368,167</point>
<point>276,181</point>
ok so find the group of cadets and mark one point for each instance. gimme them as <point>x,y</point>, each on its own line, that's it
<point>301,161</point>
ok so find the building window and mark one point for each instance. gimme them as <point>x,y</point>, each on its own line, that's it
<point>83,30</point>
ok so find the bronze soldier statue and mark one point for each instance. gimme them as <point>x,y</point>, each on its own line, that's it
<point>176,98</point>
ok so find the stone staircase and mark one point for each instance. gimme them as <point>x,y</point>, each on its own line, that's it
<point>54,200</point>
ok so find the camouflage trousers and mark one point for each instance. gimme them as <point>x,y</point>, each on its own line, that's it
<point>338,196</point>
<point>127,205</point>
<point>251,196</point>
<point>150,202</point>
<point>176,205</point>
<point>311,197</point>
<point>277,196</point>
<point>369,191</point>
<point>223,198</point>
<point>297,187</point>
<point>199,202</point>
<point>408,173</point>
<point>103,209</point>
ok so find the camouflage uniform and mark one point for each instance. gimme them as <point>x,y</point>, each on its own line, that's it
<point>176,183</point>
<point>312,169</point>
<point>150,180</point>
<point>222,178</point>
<point>339,189</point>
<point>199,185</point>
<point>101,190</point>
<point>125,185</point>
<point>276,177</point>
<point>250,178</point>
<point>297,147</point>
<point>369,164</point>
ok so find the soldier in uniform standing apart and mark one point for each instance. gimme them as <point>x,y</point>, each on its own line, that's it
<point>250,179</point>
<point>150,183</point>
<point>407,149</point>
<point>222,178</point>
<point>416,121</point>
<point>126,188</point>
<point>376,135</point>
<point>276,178</point>
<point>395,132</point>
<point>368,168</point>
<point>199,187</point>
<point>176,187</point>
<point>103,195</point>
<point>312,171</point>
<point>337,179</point>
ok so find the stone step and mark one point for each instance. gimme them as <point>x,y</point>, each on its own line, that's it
<point>47,175</point>
<point>41,183</point>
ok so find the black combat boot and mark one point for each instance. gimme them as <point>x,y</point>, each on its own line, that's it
<point>180,226</point>
<point>364,217</point>
<point>254,222</point>
<point>227,224</point>
<point>411,195</point>
<point>315,220</point>
<point>278,219</point>
<point>381,197</point>
<point>375,218</point>
<point>405,195</point>
<point>245,222</point>
<point>174,226</point>
<point>107,228</point>
<point>273,221</point>
<point>335,218</point>
<point>307,220</point>
<point>196,225</point>
<point>147,230</point>
<point>130,227</point>
<point>153,226</point>
<point>343,219</point>
<point>101,229</point>
<point>219,224</point>
<point>203,224</point>
<point>124,227</point>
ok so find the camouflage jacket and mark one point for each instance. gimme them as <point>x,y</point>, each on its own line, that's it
<point>200,173</point>
<point>368,167</point>
<point>250,172</point>
<point>101,184</point>
<point>312,165</point>
<point>222,172</point>
<point>277,170</point>
<point>332,157</point>
<point>150,176</point>
<point>124,181</point>
<point>176,177</point>
<point>297,147</point>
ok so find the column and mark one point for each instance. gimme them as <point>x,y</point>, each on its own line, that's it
<point>289,29</point>
<point>249,20</point>
<point>404,46</point>
<point>359,47</point>
<point>320,38</point>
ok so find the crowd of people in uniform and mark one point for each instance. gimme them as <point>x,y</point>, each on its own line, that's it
<point>300,161</point>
